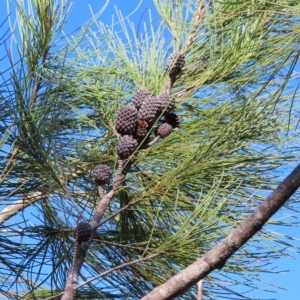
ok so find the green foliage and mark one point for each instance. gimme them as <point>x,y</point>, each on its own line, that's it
<point>237,109</point>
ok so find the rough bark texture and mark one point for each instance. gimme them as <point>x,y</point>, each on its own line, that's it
<point>72,282</point>
<point>217,257</point>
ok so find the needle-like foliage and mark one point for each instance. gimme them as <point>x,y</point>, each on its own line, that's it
<point>236,99</point>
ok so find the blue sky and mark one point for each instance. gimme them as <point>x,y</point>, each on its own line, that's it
<point>81,14</point>
<point>288,280</point>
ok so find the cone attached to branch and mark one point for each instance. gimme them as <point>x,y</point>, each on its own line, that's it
<point>166,102</point>
<point>139,98</point>
<point>101,174</point>
<point>175,63</point>
<point>83,232</point>
<point>127,145</point>
<point>126,119</point>
<point>164,130</point>
<point>149,110</point>
<point>142,129</point>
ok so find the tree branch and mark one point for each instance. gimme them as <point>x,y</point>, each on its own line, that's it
<point>120,267</point>
<point>137,261</point>
<point>198,17</point>
<point>19,205</point>
<point>72,284</point>
<point>200,292</point>
<point>217,257</point>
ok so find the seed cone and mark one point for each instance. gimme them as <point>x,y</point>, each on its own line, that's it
<point>149,110</point>
<point>126,119</point>
<point>127,145</point>
<point>166,102</point>
<point>83,232</point>
<point>164,130</point>
<point>101,174</point>
<point>175,63</point>
<point>139,98</point>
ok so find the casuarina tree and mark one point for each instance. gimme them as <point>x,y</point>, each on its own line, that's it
<point>130,149</point>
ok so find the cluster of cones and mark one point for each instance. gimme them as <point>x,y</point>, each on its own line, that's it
<point>135,122</point>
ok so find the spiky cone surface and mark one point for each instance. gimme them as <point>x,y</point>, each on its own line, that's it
<point>83,232</point>
<point>127,145</point>
<point>139,98</point>
<point>101,174</point>
<point>149,110</point>
<point>172,119</point>
<point>166,102</point>
<point>164,130</point>
<point>175,63</point>
<point>126,119</point>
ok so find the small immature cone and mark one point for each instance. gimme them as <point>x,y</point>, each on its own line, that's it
<point>101,174</point>
<point>127,145</point>
<point>164,130</point>
<point>142,129</point>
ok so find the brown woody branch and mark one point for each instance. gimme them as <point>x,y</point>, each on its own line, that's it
<point>131,263</point>
<point>199,16</point>
<point>72,281</point>
<point>19,205</point>
<point>217,257</point>
<point>120,267</point>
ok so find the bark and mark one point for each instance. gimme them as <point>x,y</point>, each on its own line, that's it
<point>217,257</point>
<point>19,205</point>
<point>72,281</point>
<point>200,293</point>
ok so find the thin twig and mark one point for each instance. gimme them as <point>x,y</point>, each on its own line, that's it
<point>54,297</point>
<point>120,245</point>
<point>118,212</point>
<point>199,15</point>
<point>154,141</point>
<point>120,267</point>
<point>200,293</point>
<point>19,205</point>
<point>100,192</point>
<point>70,288</point>
<point>68,196</point>
<point>170,83</point>
<point>217,257</point>
<point>110,271</point>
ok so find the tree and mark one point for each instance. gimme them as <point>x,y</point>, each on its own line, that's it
<point>170,202</point>
<point>216,258</point>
